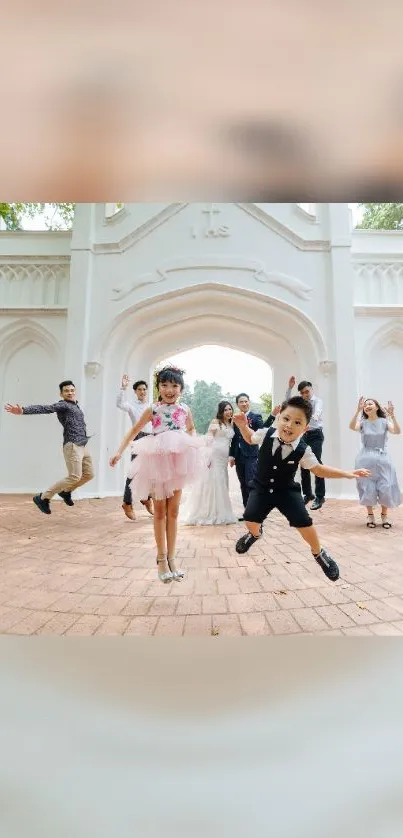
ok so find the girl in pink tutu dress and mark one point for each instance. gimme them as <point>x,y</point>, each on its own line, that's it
<point>167,460</point>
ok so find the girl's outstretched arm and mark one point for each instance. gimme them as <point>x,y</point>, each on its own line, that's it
<point>134,431</point>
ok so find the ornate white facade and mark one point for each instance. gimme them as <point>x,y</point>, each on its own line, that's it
<point>301,290</point>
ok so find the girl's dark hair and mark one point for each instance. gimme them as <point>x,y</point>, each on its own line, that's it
<point>220,410</point>
<point>170,373</point>
<point>379,410</point>
<point>301,404</point>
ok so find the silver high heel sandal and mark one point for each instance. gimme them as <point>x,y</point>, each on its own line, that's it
<point>167,576</point>
<point>385,523</point>
<point>176,574</point>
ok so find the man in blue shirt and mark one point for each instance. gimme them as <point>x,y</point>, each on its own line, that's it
<point>75,444</point>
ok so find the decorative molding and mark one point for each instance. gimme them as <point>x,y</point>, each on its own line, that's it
<point>377,258</point>
<point>34,260</point>
<point>310,217</point>
<point>144,230</point>
<point>33,283</point>
<point>393,335</point>
<point>54,311</point>
<point>117,217</point>
<point>277,227</point>
<point>92,368</point>
<point>21,332</point>
<point>260,274</point>
<point>378,283</point>
<point>327,367</point>
<point>378,310</point>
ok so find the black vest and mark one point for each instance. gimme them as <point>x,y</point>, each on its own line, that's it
<point>272,473</point>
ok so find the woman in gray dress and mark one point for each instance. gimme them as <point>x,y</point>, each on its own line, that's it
<point>374,423</point>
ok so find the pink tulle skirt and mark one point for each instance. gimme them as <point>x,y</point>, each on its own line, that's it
<point>165,463</point>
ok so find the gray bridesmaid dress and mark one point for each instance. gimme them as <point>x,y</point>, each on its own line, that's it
<point>382,487</point>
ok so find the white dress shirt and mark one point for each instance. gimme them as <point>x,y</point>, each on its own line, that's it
<point>308,461</point>
<point>134,408</point>
<point>316,422</point>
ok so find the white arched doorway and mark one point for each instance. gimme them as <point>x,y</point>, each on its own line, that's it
<point>140,336</point>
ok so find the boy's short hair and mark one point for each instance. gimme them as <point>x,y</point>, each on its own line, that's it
<point>303,384</point>
<point>139,384</point>
<point>66,384</point>
<point>301,404</point>
<point>239,396</point>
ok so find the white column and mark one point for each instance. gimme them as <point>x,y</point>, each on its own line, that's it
<point>78,328</point>
<point>343,381</point>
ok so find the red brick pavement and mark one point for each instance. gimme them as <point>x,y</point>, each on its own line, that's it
<point>90,571</point>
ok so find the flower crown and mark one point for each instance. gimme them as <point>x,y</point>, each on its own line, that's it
<point>168,368</point>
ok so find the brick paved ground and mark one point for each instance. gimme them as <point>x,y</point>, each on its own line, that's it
<point>89,570</point>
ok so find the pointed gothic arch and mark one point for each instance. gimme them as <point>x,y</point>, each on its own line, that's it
<point>20,333</point>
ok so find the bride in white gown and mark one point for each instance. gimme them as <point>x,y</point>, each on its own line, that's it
<point>208,502</point>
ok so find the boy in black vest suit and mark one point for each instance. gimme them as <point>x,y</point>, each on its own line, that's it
<point>282,450</point>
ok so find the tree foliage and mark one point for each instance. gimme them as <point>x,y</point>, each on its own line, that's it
<point>266,403</point>
<point>204,404</point>
<point>382,217</point>
<point>56,216</point>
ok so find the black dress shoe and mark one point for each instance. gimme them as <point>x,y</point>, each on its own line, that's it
<point>328,565</point>
<point>246,541</point>
<point>42,504</point>
<point>66,496</point>
<point>241,519</point>
<point>308,498</point>
<point>318,503</point>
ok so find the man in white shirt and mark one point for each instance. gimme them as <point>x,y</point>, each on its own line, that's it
<point>135,409</point>
<point>314,437</point>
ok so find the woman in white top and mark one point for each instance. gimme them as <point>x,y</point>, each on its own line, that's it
<point>209,502</point>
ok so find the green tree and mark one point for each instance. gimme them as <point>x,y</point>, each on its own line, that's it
<point>266,403</point>
<point>382,217</point>
<point>187,396</point>
<point>56,216</point>
<point>204,404</point>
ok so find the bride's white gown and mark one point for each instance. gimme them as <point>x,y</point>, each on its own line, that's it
<point>208,501</point>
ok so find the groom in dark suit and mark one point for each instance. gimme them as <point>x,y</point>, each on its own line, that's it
<point>241,454</point>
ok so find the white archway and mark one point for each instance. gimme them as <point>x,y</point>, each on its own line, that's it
<point>270,329</point>
<point>245,320</point>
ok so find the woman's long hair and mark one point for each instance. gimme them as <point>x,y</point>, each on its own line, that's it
<point>220,411</point>
<point>379,410</point>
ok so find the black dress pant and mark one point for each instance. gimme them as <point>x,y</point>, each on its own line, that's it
<point>315,440</point>
<point>245,470</point>
<point>288,501</point>
<point>127,497</point>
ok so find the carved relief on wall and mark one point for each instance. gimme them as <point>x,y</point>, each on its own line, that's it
<point>378,283</point>
<point>253,268</point>
<point>34,285</point>
<point>211,228</point>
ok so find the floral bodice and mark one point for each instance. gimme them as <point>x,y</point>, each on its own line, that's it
<point>169,417</point>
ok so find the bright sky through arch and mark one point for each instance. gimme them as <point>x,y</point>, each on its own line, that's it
<point>234,370</point>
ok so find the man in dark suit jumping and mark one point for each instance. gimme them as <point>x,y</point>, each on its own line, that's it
<point>241,454</point>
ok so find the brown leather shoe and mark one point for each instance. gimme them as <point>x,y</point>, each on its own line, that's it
<point>128,510</point>
<point>148,505</point>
